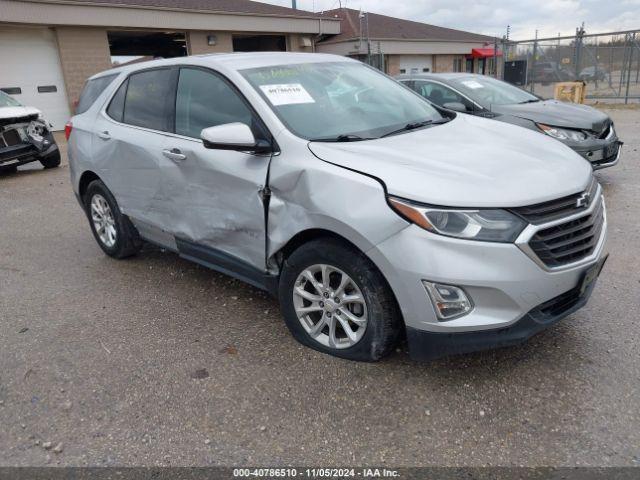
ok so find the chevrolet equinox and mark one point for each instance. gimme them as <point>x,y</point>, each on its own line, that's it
<point>371,214</point>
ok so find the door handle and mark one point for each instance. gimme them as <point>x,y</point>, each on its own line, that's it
<point>104,135</point>
<point>174,154</point>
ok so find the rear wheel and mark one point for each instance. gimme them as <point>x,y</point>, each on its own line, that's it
<point>336,301</point>
<point>113,231</point>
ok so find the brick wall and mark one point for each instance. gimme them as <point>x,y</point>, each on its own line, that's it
<point>83,52</point>
<point>393,65</point>
<point>444,63</point>
<point>198,42</point>
<point>295,43</point>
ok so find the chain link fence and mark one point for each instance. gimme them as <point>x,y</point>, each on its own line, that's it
<point>609,64</point>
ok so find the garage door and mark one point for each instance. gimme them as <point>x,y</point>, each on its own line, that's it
<point>30,72</point>
<point>416,63</point>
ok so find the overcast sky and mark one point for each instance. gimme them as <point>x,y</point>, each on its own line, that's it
<point>491,17</point>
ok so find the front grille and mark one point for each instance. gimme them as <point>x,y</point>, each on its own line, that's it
<point>570,241</point>
<point>556,209</point>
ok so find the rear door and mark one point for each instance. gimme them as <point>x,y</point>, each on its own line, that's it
<point>128,144</point>
<point>215,207</point>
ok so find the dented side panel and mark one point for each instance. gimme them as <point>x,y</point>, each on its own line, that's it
<point>309,193</point>
<point>214,199</point>
<point>128,160</point>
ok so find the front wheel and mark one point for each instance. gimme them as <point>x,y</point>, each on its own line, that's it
<point>336,301</point>
<point>113,231</point>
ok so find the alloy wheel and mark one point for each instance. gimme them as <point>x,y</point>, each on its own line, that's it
<point>330,306</point>
<point>103,220</point>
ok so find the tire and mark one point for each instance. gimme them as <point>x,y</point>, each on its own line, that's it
<point>52,160</point>
<point>9,170</point>
<point>383,319</point>
<point>125,240</point>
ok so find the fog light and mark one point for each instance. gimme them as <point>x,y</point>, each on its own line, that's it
<point>450,302</point>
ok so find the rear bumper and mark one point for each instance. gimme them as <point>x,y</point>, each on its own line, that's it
<point>426,346</point>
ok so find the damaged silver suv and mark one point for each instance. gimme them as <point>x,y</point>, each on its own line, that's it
<point>371,214</point>
<point>25,136</point>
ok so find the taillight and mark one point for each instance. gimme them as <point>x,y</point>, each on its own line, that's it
<point>67,130</point>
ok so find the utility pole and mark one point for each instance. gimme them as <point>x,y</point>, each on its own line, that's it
<point>368,40</point>
<point>360,16</point>
<point>294,5</point>
<point>533,62</point>
<point>578,48</point>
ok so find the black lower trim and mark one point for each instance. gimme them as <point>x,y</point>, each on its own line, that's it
<point>229,265</point>
<point>425,346</point>
<point>24,153</point>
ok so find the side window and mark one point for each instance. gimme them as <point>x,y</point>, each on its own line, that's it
<point>116,107</point>
<point>148,99</point>
<point>206,100</point>
<point>407,83</point>
<point>439,94</point>
<point>91,91</point>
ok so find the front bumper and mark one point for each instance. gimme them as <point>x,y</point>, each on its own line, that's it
<point>505,282</point>
<point>600,153</point>
<point>426,346</point>
<point>19,154</point>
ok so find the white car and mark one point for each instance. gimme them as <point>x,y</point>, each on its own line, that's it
<point>24,136</point>
<point>368,212</point>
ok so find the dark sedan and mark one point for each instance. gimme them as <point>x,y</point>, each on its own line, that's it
<point>586,130</point>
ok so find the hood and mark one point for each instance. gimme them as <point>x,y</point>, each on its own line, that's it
<point>468,162</point>
<point>17,113</point>
<point>558,114</point>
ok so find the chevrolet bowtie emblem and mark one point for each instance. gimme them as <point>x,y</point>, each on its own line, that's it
<point>583,200</point>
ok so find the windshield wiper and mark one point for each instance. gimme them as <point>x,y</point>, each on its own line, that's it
<point>342,138</point>
<point>415,125</point>
<point>533,100</point>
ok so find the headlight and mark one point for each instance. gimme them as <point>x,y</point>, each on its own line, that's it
<point>563,133</point>
<point>491,225</point>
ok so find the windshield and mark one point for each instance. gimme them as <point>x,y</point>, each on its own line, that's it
<point>7,101</point>
<point>346,100</point>
<point>488,91</point>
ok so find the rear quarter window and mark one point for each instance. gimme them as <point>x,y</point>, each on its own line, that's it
<point>92,90</point>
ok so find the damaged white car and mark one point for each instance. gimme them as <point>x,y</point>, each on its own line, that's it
<point>25,136</point>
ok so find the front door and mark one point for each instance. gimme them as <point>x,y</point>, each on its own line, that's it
<point>469,65</point>
<point>215,206</point>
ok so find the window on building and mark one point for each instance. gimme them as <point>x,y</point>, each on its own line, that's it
<point>458,65</point>
<point>206,100</point>
<point>491,66</point>
<point>148,99</point>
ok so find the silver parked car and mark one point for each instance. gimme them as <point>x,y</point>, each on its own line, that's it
<point>370,214</point>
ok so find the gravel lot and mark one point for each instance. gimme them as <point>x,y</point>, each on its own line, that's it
<point>105,357</point>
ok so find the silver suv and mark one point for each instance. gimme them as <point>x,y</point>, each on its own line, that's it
<point>369,213</point>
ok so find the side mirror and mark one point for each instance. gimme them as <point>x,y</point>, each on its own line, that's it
<point>233,136</point>
<point>455,106</point>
